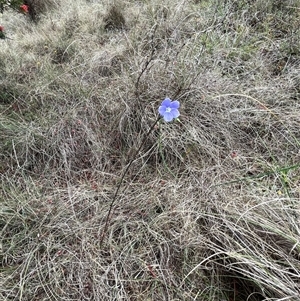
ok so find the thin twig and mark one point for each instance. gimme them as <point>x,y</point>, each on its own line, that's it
<point>114,199</point>
<point>146,64</point>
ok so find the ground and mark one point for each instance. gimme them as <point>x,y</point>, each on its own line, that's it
<point>100,201</point>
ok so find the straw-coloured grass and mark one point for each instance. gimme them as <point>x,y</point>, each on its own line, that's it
<point>209,209</point>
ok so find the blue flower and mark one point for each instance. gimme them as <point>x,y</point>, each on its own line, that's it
<point>169,109</point>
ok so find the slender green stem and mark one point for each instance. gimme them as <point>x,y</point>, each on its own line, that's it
<point>114,199</point>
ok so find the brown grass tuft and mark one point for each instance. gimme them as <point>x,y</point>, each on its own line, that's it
<point>114,18</point>
<point>36,8</point>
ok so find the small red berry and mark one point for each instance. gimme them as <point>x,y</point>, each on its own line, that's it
<point>1,28</point>
<point>24,8</point>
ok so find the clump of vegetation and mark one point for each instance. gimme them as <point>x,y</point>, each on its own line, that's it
<point>33,8</point>
<point>208,209</point>
<point>114,18</point>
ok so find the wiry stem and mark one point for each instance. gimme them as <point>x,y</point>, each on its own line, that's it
<point>114,199</point>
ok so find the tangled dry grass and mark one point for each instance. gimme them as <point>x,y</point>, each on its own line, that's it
<point>209,210</point>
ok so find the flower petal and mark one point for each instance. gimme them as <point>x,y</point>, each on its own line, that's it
<point>175,113</point>
<point>162,110</point>
<point>168,116</point>
<point>175,104</point>
<point>166,102</point>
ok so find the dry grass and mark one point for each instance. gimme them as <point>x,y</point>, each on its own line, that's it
<point>209,210</point>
